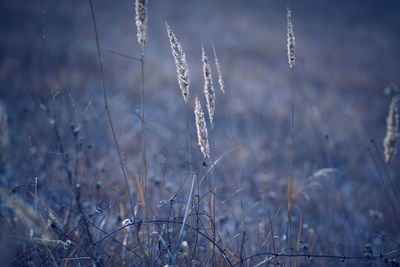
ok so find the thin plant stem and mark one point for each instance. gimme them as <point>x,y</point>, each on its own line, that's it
<point>116,144</point>
<point>291,160</point>
<point>36,195</point>
<point>160,221</point>
<point>142,117</point>
<point>212,208</point>
<point>197,220</point>
<point>389,177</point>
<point>143,150</point>
<point>189,147</point>
<point>383,185</point>
<point>184,218</point>
<point>124,55</point>
<point>230,118</point>
<point>189,141</point>
<point>273,236</point>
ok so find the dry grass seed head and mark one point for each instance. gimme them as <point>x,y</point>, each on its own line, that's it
<point>208,87</point>
<point>392,122</point>
<point>141,22</point>
<point>202,135</point>
<point>180,63</point>
<point>290,40</point>
<point>220,81</point>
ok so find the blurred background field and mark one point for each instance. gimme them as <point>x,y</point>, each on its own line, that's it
<point>346,54</point>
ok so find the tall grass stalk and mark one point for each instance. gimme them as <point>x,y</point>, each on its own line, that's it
<point>224,93</point>
<point>143,150</point>
<point>182,71</point>
<point>291,61</point>
<point>106,106</point>
<point>36,195</point>
<point>202,136</point>
<point>184,218</point>
<point>141,24</point>
<point>209,93</point>
<point>189,141</point>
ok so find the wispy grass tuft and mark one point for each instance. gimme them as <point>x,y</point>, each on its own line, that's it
<point>180,63</point>
<point>392,122</point>
<point>220,81</point>
<point>201,129</point>
<point>141,22</point>
<point>208,87</point>
<point>290,39</point>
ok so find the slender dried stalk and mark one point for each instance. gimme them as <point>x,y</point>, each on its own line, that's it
<point>27,214</point>
<point>208,87</point>
<point>183,80</point>
<point>4,139</point>
<point>291,61</point>
<point>144,161</point>
<point>273,236</point>
<point>299,233</point>
<point>185,217</point>
<point>106,106</point>
<point>290,40</point>
<point>201,129</point>
<point>141,22</point>
<point>180,62</point>
<point>53,242</point>
<point>220,81</point>
<point>392,122</point>
<point>225,95</point>
<point>210,97</point>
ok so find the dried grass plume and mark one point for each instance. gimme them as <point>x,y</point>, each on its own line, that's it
<point>220,81</point>
<point>201,129</point>
<point>208,87</point>
<point>392,122</point>
<point>180,62</point>
<point>290,39</point>
<point>141,22</point>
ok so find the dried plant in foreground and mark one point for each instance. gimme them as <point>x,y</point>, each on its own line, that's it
<point>201,129</point>
<point>27,214</point>
<point>220,81</point>
<point>180,62</point>
<point>392,122</point>
<point>141,22</point>
<point>290,40</point>
<point>208,87</point>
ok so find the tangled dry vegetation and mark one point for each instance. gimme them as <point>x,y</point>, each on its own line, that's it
<point>196,201</point>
